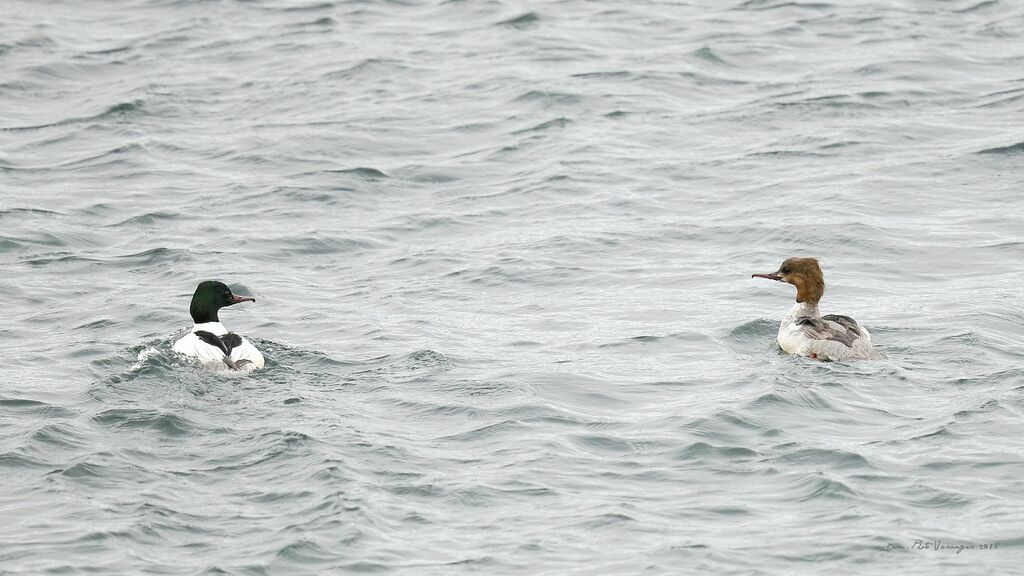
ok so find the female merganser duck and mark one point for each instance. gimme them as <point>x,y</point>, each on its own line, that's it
<point>805,331</point>
<point>209,341</point>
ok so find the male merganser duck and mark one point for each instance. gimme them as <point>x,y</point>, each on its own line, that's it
<point>805,331</point>
<point>209,341</point>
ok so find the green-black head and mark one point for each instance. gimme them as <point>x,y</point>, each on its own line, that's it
<point>210,297</point>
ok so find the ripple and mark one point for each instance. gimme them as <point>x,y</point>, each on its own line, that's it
<point>1017,148</point>
<point>818,486</point>
<point>85,470</point>
<point>832,459</point>
<point>23,212</point>
<point>485,432</point>
<point>548,99</point>
<point>15,463</point>
<point>38,408</point>
<point>120,110</point>
<point>136,418</point>
<point>367,67</point>
<point>149,219</point>
<point>315,244</point>
<point>155,256</point>
<point>980,6</point>
<point>543,126</point>
<point>359,172</point>
<point>64,436</point>
<point>706,453</point>
<point>707,54</point>
<point>670,340</point>
<point>305,552</point>
<point>523,21</point>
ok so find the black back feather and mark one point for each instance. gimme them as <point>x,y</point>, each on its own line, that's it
<point>226,343</point>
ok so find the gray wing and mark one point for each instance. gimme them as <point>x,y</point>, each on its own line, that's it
<point>842,329</point>
<point>845,321</point>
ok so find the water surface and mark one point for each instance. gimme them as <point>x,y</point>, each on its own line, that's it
<point>501,255</point>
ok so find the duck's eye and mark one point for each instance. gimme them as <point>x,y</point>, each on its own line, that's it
<point>785,270</point>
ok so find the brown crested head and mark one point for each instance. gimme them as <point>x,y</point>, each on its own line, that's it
<point>805,274</point>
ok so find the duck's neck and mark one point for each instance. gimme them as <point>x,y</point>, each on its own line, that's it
<point>202,314</point>
<point>215,328</point>
<point>804,310</point>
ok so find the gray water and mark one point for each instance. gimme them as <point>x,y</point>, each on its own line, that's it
<point>501,254</point>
